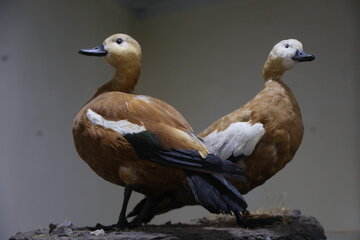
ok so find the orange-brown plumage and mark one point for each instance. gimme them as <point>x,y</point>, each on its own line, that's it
<point>108,153</point>
<point>276,108</point>
<point>264,134</point>
<point>144,144</point>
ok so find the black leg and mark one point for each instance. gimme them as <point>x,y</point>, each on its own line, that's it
<point>137,208</point>
<point>145,215</point>
<point>139,219</point>
<point>122,222</point>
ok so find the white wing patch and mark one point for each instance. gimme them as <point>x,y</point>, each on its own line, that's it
<point>123,126</point>
<point>240,138</point>
<point>143,98</point>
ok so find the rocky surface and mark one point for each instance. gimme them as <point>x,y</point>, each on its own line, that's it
<point>274,226</point>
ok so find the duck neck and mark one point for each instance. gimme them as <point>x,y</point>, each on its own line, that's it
<point>273,70</point>
<point>124,80</point>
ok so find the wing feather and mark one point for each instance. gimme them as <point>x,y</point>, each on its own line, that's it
<point>239,138</point>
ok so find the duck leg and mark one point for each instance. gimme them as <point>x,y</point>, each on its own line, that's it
<point>146,213</point>
<point>138,208</point>
<point>122,221</point>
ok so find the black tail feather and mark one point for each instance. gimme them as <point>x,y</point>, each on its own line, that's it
<point>192,160</point>
<point>215,193</point>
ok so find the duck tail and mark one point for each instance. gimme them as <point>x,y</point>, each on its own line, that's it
<point>215,193</point>
<point>192,161</point>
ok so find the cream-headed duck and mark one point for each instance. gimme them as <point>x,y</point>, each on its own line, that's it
<point>145,145</point>
<point>263,135</point>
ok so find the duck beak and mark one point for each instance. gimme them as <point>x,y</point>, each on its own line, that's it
<point>302,56</point>
<point>98,51</point>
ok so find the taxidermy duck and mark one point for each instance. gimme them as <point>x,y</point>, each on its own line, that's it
<point>263,135</point>
<point>145,145</point>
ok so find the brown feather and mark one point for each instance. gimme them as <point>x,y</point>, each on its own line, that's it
<point>106,151</point>
<point>276,108</point>
<point>113,158</point>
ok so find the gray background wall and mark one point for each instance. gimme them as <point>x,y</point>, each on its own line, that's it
<point>206,61</point>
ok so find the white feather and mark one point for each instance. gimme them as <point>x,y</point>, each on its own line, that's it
<point>122,126</point>
<point>143,98</point>
<point>239,138</point>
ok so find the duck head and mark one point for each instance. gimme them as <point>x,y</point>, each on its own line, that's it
<point>124,54</point>
<point>118,49</point>
<point>283,57</point>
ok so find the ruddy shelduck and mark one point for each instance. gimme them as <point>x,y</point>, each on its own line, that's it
<point>263,135</point>
<point>145,145</point>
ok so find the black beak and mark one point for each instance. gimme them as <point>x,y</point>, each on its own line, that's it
<point>98,51</point>
<point>302,56</point>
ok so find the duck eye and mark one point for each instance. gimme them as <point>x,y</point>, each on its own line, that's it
<point>119,41</point>
<point>287,45</point>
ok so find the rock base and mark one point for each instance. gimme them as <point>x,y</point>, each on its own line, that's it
<point>274,226</point>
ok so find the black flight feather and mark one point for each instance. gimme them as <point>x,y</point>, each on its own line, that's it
<point>206,177</point>
<point>148,147</point>
<point>192,160</point>
<point>215,193</point>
